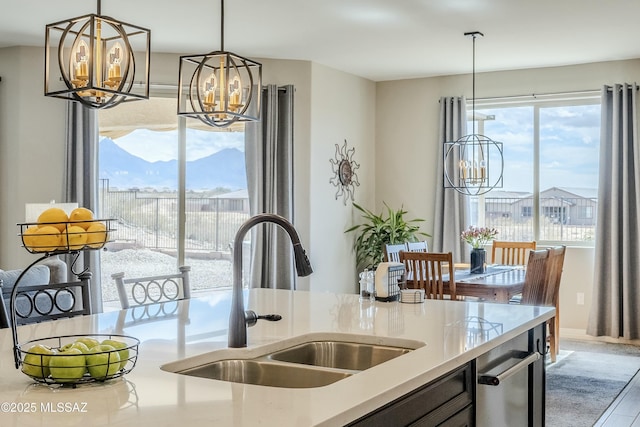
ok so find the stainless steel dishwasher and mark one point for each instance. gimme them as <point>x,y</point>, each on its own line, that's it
<point>510,385</point>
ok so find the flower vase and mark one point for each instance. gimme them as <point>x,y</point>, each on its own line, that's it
<point>478,257</point>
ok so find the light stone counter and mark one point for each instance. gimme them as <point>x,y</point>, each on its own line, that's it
<point>149,396</point>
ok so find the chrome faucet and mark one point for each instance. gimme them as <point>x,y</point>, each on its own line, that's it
<point>239,319</point>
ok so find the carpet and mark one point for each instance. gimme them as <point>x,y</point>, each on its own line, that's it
<point>586,379</point>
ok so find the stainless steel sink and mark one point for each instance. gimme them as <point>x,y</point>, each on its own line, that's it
<point>314,360</point>
<point>338,354</point>
<point>260,372</point>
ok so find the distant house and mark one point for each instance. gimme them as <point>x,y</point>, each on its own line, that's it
<point>235,201</point>
<point>499,204</point>
<point>560,205</point>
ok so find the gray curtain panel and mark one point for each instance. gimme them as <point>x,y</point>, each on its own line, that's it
<point>81,182</point>
<point>269,163</point>
<point>451,214</point>
<point>616,292</point>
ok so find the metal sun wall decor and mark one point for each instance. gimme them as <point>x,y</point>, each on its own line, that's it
<point>344,167</point>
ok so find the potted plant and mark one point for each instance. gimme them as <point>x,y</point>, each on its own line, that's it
<point>378,230</point>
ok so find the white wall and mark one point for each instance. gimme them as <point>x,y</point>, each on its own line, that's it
<point>406,147</point>
<point>31,149</point>
<point>342,108</point>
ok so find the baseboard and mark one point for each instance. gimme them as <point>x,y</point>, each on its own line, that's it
<point>581,334</point>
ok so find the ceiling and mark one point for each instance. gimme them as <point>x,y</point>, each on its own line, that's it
<point>376,39</point>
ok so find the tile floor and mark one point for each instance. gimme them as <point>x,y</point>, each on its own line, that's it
<point>625,410</point>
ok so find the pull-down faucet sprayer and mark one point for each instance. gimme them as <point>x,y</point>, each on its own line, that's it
<point>239,319</point>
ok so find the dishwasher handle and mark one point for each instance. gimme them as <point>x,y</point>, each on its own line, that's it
<point>495,380</point>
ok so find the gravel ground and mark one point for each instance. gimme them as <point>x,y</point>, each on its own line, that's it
<point>204,274</point>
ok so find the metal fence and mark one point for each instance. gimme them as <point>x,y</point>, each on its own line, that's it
<point>150,219</point>
<point>560,218</point>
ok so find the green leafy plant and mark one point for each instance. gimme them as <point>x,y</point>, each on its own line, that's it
<point>378,230</point>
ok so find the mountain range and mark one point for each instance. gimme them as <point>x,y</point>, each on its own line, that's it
<point>223,169</point>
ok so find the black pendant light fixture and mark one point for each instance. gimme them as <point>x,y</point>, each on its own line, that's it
<point>219,88</point>
<point>474,164</point>
<point>97,60</point>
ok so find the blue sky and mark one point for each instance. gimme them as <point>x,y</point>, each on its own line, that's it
<point>154,146</point>
<point>569,145</point>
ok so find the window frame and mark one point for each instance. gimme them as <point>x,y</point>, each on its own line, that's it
<point>538,102</point>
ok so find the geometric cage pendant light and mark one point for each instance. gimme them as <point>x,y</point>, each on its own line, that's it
<point>97,60</point>
<point>473,164</point>
<point>219,88</point>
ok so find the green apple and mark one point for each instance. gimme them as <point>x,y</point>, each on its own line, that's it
<point>68,365</point>
<point>90,342</point>
<point>78,344</point>
<point>36,361</point>
<point>123,351</point>
<point>103,361</point>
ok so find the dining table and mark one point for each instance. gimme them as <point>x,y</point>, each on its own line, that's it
<point>498,283</point>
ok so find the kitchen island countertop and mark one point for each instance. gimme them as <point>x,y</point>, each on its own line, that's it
<point>453,333</point>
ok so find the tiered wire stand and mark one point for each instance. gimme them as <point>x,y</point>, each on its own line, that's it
<point>56,342</point>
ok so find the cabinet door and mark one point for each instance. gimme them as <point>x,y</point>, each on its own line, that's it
<point>464,418</point>
<point>430,405</point>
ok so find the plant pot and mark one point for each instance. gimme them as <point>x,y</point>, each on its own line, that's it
<point>478,257</point>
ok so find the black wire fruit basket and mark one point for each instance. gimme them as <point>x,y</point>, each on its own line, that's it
<point>67,359</point>
<point>64,237</point>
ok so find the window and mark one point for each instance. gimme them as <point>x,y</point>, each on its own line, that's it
<point>140,186</point>
<point>551,152</point>
<point>586,212</point>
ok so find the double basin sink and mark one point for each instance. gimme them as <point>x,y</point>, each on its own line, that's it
<point>315,362</point>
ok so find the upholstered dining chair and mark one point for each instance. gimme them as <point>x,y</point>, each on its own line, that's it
<point>392,252</point>
<point>153,289</point>
<point>51,301</point>
<point>427,270</point>
<point>511,253</point>
<point>555,265</point>
<point>420,246</point>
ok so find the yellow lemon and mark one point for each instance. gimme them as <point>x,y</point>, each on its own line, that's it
<point>81,214</point>
<point>28,238</point>
<point>55,217</point>
<point>44,239</point>
<point>74,238</point>
<point>96,235</point>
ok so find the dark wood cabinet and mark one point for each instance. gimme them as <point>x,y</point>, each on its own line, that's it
<point>447,401</point>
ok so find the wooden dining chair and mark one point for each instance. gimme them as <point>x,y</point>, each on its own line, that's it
<point>555,265</point>
<point>534,291</point>
<point>392,252</point>
<point>51,301</point>
<point>153,289</point>
<point>511,253</point>
<point>427,270</point>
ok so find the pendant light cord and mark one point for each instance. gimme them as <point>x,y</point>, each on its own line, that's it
<point>222,25</point>
<point>473,34</point>
<point>473,86</point>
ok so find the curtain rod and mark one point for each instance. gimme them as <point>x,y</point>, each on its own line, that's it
<point>610,88</point>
